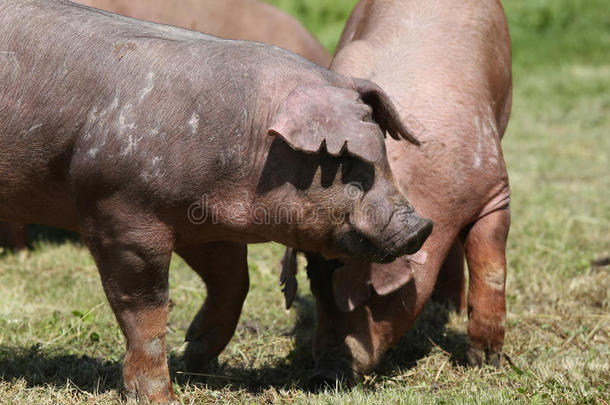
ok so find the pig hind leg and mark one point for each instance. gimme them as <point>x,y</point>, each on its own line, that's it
<point>450,287</point>
<point>485,246</point>
<point>223,267</point>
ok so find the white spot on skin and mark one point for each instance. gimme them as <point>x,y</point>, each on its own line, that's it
<point>487,139</point>
<point>34,127</point>
<point>150,85</point>
<point>479,151</point>
<point>495,279</point>
<point>155,348</point>
<point>419,257</point>
<point>194,123</point>
<point>155,171</point>
<point>93,152</point>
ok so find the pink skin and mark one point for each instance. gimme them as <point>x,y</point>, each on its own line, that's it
<point>447,66</point>
<point>250,20</point>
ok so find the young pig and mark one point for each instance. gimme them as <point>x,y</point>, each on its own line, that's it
<point>150,139</point>
<point>233,19</point>
<point>251,20</point>
<point>447,66</point>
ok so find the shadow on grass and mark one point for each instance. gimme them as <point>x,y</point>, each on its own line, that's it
<point>40,368</point>
<point>96,375</point>
<point>292,372</point>
<point>428,332</point>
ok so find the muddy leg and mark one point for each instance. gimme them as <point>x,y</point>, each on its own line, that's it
<point>133,260</point>
<point>450,288</point>
<point>485,246</point>
<point>224,269</point>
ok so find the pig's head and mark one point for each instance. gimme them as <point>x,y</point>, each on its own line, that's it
<point>363,309</point>
<point>328,165</point>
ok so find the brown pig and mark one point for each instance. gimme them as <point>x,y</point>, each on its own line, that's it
<point>148,139</point>
<point>13,235</point>
<point>250,20</point>
<point>447,66</point>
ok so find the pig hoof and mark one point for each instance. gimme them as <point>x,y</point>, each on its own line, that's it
<point>478,356</point>
<point>141,395</point>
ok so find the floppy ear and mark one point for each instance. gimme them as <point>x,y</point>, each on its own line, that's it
<point>384,111</point>
<point>313,116</point>
<point>288,276</point>
<point>387,278</point>
<point>352,282</point>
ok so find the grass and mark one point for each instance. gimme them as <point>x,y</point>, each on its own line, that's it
<point>60,343</point>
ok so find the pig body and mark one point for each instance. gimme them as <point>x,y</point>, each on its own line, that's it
<point>232,19</point>
<point>149,139</point>
<point>250,20</point>
<point>447,66</point>
<point>13,235</point>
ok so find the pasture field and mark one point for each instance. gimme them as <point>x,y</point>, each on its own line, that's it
<point>59,342</point>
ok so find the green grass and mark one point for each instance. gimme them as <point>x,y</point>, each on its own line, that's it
<point>60,343</point>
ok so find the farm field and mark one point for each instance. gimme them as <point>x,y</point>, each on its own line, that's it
<point>60,343</point>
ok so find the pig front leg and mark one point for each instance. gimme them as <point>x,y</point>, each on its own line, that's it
<point>485,246</point>
<point>223,267</point>
<point>133,253</point>
<point>450,287</point>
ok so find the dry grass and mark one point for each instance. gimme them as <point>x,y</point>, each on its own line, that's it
<point>59,342</point>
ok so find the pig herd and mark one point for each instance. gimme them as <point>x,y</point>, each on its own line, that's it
<point>150,139</point>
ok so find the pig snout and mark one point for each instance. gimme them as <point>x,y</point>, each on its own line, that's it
<point>345,363</point>
<point>405,233</point>
<point>385,233</point>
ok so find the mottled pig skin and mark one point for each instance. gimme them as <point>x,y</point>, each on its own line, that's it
<point>447,66</point>
<point>149,139</point>
<point>251,20</point>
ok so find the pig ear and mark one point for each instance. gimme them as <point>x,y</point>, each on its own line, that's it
<point>387,278</point>
<point>384,111</point>
<point>288,276</point>
<point>313,116</point>
<point>352,282</point>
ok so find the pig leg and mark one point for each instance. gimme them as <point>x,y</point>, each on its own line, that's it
<point>450,288</point>
<point>485,245</point>
<point>133,260</point>
<point>224,269</point>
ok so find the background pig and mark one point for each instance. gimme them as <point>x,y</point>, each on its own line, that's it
<point>150,139</point>
<point>447,66</point>
<point>233,19</point>
<point>250,20</point>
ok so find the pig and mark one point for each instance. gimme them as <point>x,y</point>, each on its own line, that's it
<point>232,19</point>
<point>149,139</point>
<point>13,236</point>
<point>447,67</point>
<point>251,20</point>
